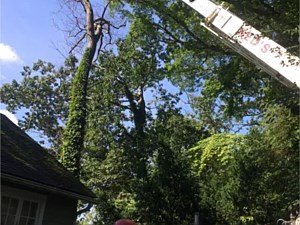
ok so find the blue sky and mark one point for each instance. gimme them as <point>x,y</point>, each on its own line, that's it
<point>28,33</point>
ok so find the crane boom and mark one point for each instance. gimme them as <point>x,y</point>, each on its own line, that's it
<point>249,42</point>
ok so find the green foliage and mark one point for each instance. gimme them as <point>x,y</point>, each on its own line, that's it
<point>141,155</point>
<point>137,170</point>
<point>43,93</point>
<point>270,169</point>
<point>74,132</point>
<point>193,57</point>
<point>169,193</point>
<point>214,161</point>
<point>251,179</point>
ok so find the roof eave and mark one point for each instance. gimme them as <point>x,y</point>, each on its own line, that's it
<point>43,187</point>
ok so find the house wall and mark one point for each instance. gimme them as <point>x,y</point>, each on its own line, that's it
<point>59,211</point>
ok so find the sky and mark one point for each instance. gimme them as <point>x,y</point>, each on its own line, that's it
<point>28,33</point>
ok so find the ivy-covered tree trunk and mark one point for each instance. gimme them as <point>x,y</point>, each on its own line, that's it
<point>75,130</point>
<point>74,133</point>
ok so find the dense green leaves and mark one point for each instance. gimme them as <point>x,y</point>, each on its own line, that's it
<point>271,166</point>
<point>251,179</point>
<point>214,160</point>
<point>74,132</point>
<point>43,93</point>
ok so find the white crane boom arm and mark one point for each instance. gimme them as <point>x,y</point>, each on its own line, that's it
<point>249,42</point>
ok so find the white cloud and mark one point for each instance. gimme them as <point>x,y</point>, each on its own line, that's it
<point>8,54</point>
<point>2,77</point>
<point>10,116</point>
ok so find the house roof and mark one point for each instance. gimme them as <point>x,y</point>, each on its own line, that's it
<point>25,162</point>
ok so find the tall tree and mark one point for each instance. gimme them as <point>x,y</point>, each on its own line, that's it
<point>74,132</point>
<point>123,140</point>
<point>75,129</point>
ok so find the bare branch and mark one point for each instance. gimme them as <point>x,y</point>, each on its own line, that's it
<point>57,49</point>
<point>82,22</point>
<point>78,25</point>
<point>105,8</point>
<point>118,27</point>
<point>77,43</point>
<point>78,32</point>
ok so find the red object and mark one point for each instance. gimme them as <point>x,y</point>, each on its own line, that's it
<point>124,222</point>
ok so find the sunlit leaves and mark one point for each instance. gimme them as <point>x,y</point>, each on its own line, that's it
<point>44,94</point>
<point>214,160</point>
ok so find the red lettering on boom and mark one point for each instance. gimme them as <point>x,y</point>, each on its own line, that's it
<point>265,48</point>
<point>247,34</point>
<point>255,41</point>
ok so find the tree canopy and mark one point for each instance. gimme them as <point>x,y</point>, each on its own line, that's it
<point>168,121</point>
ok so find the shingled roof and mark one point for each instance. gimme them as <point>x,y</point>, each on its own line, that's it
<point>26,162</point>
